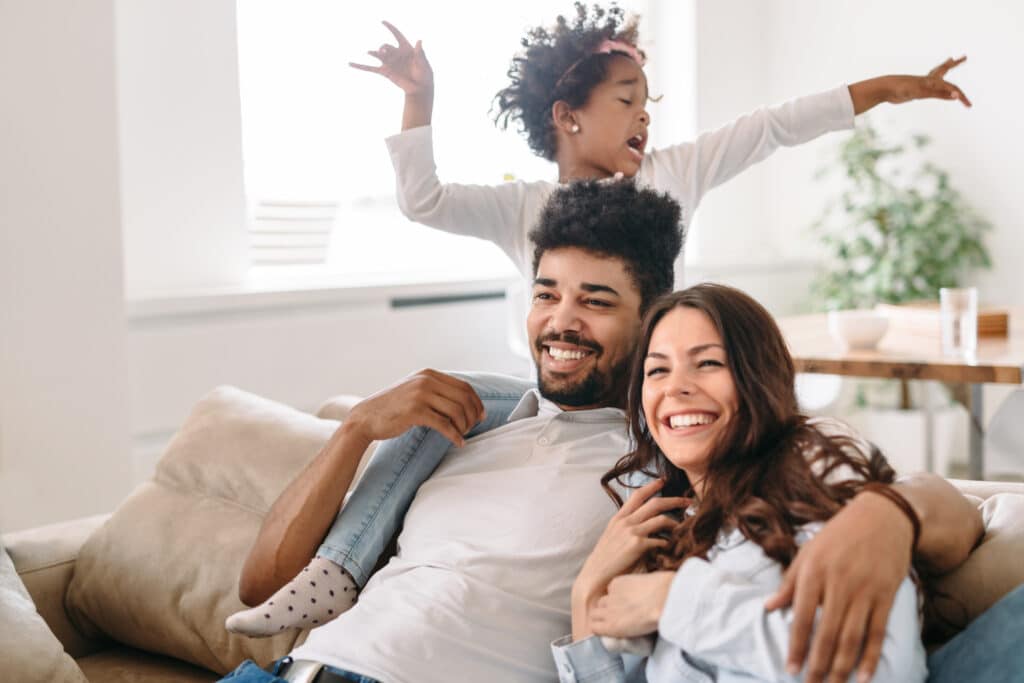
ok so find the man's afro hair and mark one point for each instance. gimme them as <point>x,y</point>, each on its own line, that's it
<point>618,219</point>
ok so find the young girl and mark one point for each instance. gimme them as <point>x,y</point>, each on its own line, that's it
<point>713,411</point>
<point>578,92</point>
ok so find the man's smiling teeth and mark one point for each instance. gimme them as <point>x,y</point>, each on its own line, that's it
<point>690,420</point>
<point>566,354</point>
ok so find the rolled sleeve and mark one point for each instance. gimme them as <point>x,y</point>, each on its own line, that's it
<point>586,661</point>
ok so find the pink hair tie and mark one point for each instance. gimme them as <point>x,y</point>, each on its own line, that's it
<point>606,47</point>
<point>610,45</point>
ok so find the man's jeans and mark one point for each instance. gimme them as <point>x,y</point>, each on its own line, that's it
<point>374,510</point>
<point>991,649</point>
<point>250,672</point>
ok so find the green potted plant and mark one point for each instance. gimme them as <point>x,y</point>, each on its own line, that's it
<point>897,232</point>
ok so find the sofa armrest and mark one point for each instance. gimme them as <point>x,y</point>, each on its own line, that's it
<point>337,407</point>
<point>44,558</point>
<point>986,489</point>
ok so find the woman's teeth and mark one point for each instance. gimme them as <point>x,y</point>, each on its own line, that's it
<point>566,354</point>
<point>690,420</point>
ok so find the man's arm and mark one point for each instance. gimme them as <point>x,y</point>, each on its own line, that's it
<point>300,517</point>
<point>854,566</point>
<point>951,525</point>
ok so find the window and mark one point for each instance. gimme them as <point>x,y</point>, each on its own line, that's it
<point>313,131</point>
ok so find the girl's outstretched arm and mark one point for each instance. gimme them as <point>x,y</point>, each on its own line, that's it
<point>503,214</point>
<point>406,66</point>
<point>899,89</point>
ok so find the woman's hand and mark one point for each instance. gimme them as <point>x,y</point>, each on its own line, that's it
<point>632,606</point>
<point>627,537</point>
<point>899,89</point>
<point>404,64</point>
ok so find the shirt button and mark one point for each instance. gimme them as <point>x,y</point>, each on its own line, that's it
<point>543,441</point>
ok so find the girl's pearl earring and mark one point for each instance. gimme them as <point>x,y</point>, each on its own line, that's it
<point>575,128</point>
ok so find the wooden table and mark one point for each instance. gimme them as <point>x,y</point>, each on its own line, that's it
<point>998,360</point>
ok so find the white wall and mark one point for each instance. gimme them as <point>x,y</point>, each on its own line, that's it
<point>769,51</point>
<point>63,407</point>
<point>731,226</point>
<point>300,353</point>
<point>183,199</point>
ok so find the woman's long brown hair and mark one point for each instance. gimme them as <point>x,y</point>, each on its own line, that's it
<point>771,471</point>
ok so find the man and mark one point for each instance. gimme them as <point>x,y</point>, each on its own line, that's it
<point>493,540</point>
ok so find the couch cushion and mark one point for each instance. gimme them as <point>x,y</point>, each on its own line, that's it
<point>45,559</point>
<point>162,574</point>
<point>126,665</point>
<point>28,649</point>
<point>992,570</point>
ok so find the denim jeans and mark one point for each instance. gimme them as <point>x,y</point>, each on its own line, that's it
<point>991,649</point>
<point>376,507</point>
<point>250,672</point>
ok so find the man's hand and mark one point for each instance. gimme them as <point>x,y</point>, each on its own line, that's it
<point>427,398</point>
<point>898,89</point>
<point>852,569</point>
<point>632,606</point>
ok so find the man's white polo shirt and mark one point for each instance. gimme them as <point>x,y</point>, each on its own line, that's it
<point>487,557</point>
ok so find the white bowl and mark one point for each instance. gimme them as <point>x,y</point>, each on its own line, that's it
<point>857,329</point>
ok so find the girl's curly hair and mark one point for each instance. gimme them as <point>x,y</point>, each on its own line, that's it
<point>559,64</point>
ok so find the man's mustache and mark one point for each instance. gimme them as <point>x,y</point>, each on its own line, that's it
<point>569,337</point>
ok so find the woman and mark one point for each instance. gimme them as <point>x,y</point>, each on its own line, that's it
<point>713,411</point>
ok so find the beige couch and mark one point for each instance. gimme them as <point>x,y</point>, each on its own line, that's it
<point>141,595</point>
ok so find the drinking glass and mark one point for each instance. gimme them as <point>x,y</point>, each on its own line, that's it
<point>959,315</point>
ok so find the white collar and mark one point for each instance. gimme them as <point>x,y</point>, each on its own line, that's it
<point>533,404</point>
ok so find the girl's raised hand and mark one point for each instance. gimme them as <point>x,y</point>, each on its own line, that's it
<point>404,64</point>
<point>933,85</point>
<point>898,89</point>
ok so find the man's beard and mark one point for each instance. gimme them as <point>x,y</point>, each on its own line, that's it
<point>596,388</point>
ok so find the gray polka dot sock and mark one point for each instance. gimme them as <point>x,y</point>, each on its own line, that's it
<point>317,594</point>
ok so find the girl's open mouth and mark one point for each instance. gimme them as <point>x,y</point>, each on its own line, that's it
<point>636,144</point>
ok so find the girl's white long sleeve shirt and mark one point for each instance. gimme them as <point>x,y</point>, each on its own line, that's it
<point>505,214</point>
